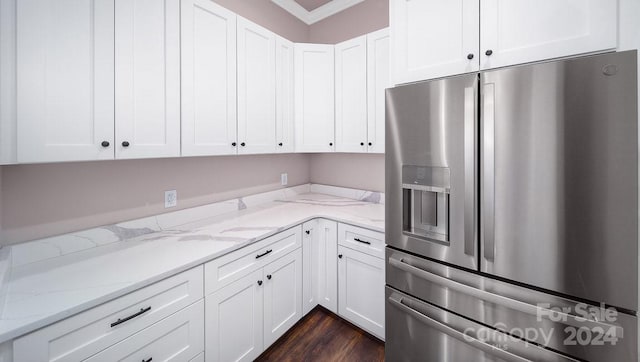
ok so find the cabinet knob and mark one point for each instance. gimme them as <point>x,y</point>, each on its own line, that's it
<point>280,144</point>
<point>489,52</point>
<point>125,144</point>
<point>469,56</point>
<point>340,256</point>
<point>308,232</point>
<point>242,144</point>
<point>259,282</point>
<point>370,144</point>
<point>233,144</point>
<point>330,143</point>
<point>269,276</point>
<point>105,144</point>
<point>361,143</point>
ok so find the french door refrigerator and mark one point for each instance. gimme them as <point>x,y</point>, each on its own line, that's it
<point>512,214</point>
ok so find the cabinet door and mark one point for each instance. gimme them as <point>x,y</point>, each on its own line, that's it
<point>361,290</point>
<point>147,78</point>
<point>208,79</point>
<point>314,98</point>
<point>378,79</point>
<point>351,95</point>
<point>284,95</point>
<point>256,88</point>
<point>64,72</point>
<point>282,296</point>
<point>233,320</point>
<point>514,32</point>
<point>310,266</point>
<point>325,249</point>
<point>433,38</point>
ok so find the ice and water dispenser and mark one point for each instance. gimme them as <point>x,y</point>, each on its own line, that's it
<point>425,192</point>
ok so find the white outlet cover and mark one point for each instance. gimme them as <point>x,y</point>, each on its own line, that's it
<point>284,179</point>
<point>170,198</point>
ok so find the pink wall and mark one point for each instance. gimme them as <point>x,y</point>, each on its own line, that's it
<point>368,16</point>
<point>50,199</point>
<point>271,16</point>
<point>359,171</point>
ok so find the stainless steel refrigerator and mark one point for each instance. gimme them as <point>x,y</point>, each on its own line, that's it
<point>512,214</point>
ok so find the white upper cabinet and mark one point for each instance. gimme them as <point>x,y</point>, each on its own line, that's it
<point>523,31</point>
<point>438,38</point>
<point>208,79</point>
<point>433,38</point>
<point>64,71</point>
<point>256,88</point>
<point>284,95</point>
<point>351,95</point>
<point>147,78</point>
<point>314,98</point>
<point>378,79</point>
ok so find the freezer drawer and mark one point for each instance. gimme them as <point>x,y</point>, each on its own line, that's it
<point>559,176</point>
<point>424,332</point>
<point>577,329</point>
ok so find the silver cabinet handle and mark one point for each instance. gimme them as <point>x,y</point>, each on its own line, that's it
<point>397,301</point>
<point>514,304</point>
<point>488,168</point>
<point>470,170</point>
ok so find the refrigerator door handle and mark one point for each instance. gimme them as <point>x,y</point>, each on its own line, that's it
<point>470,107</point>
<point>397,301</point>
<point>488,169</point>
<point>540,312</point>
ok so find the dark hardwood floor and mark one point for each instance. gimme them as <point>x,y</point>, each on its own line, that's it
<point>323,336</point>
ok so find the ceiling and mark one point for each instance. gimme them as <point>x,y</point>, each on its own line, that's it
<point>311,5</point>
<point>311,11</point>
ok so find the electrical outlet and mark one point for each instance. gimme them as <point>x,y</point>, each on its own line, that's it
<point>284,179</point>
<point>170,198</point>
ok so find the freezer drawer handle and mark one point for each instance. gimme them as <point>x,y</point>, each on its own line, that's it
<point>362,241</point>
<point>455,333</point>
<point>126,319</point>
<point>523,307</point>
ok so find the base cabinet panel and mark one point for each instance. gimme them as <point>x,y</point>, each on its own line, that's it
<point>361,290</point>
<point>325,248</point>
<point>233,321</point>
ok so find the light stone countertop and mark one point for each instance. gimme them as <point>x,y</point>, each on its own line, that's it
<point>44,292</point>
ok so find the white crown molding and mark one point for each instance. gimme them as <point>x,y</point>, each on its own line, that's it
<point>322,12</point>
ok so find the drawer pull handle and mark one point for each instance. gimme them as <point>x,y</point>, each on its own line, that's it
<point>263,254</point>
<point>362,241</point>
<point>148,360</point>
<point>141,312</point>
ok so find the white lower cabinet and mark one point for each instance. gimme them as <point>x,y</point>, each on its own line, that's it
<point>282,296</point>
<point>233,320</point>
<point>247,316</point>
<point>83,335</point>
<point>325,249</point>
<point>361,289</point>
<point>179,337</point>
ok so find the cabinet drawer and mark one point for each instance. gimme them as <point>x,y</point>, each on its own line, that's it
<point>364,240</point>
<point>179,337</point>
<point>83,335</point>
<point>231,267</point>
